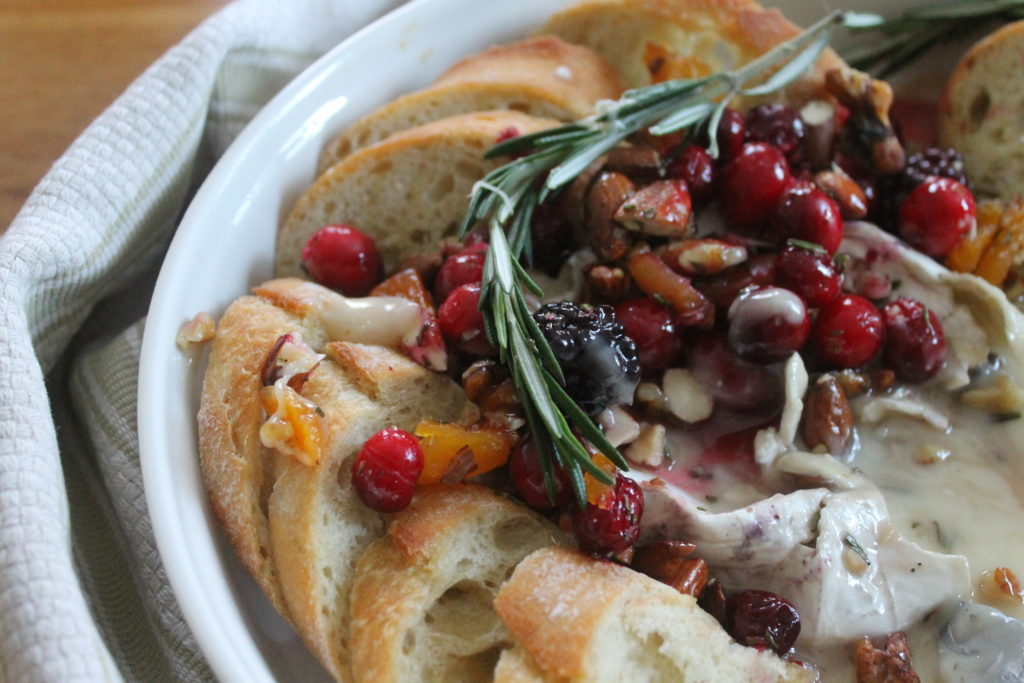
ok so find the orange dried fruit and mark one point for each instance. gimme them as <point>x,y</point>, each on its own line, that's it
<point>598,493</point>
<point>293,426</point>
<point>443,442</point>
<point>406,284</point>
<point>965,256</point>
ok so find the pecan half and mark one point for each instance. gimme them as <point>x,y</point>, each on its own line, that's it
<point>827,418</point>
<point>868,134</point>
<point>888,664</point>
<point>607,284</point>
<point>853,203</point>
<point>671,563</point>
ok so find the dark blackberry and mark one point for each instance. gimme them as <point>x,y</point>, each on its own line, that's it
<point>780,126</point>
<point>946,163</point>
<point>599,361</point>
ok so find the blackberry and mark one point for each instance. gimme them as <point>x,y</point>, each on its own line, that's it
<point>933,161</point>
<point>599,361</point>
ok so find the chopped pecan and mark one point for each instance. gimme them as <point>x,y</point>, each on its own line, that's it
<point>671,563</point>
<point>607,284</point>
<point>609,240</point>
<point>888,664</point>
<point>459,467</point>
<point>868,134</point>
<point>853,203</point>
<point>827,419</point>
<point>481,377</point>
<point>488,385</point>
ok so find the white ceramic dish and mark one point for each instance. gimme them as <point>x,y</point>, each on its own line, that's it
<point>245,197</point>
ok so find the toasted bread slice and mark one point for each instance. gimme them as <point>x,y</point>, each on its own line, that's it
<point>407,192</point>
<point>422,597</point>
<point>543,76</point>
<point>297,528</point>
<point>575,618</point>
<point>655,40</point>
<point>980,112</point>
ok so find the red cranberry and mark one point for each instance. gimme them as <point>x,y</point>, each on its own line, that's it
<point>343,258</point>
<point>915,346</point>
<point>651,326</point>
<point>527,474</point>
<point>780,126</point>
<point>847,332</point>
<point>385,471</point>
<point>734,383</point>
<point>695,166</point>
<point>810,273</point>
<point>461,321</point>
<point>763,619</point>
<point>768,324</point>
<point>752,184</point>
<point>806,213</point>
<point>602,531</point>
<point>460,269</point>
<point>936,215</point>
<point>730,134</point>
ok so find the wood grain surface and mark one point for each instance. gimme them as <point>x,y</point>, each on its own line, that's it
<point>63,62</point>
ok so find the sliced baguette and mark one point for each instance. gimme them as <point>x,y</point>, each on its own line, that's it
<point>299,529</point>
<point>683,38</point>
<point>422,596</point>
<point>407,192</point>
<point>980,112</point>
<point>575,618</point>
<point>543,76</point>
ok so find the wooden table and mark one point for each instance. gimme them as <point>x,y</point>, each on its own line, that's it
<point>62,63</point>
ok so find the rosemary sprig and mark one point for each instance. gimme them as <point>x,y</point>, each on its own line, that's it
<point>898,40</point>
<point>548,161</point>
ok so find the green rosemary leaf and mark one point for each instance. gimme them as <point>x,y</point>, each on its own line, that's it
<point>684,117</point>
<point>547,454</point>
<point>525,280</point>
<point>547,356</point>
<point>793,69</point>
<point>582,156</point>
<point>960,9</point>
<point>583,422</point>
<point>712,127</point>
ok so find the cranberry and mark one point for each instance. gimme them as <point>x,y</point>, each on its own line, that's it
<point>461,321</point>
<point>915,346</point>
<point>730,133</point>
<point>651,326</point>
<point>806,213</point>
<point>343,258</point>
<point>734,383</point>
<point>780,126</point>
<point>763,619</point>
<point>752,184</point>
<point>936,215</point>
<point>695,166</point>
<point>847,332</point>
<point>768,324</point>
<point>527,474</point>
<point>385,471</point>
<point>810,273</point>
<point>602,531</point>
<point>460,269</point>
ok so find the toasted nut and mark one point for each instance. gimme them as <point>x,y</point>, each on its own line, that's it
<point>609,240</point>
<point>928,453</point>
<point>889,664</point>
<point>635,161</point>
<point>480,378</point>
<point>854,383</point>
<point>607,283</point>
<point>663,209</point>
<point>650,393</point>
<point>882,380</point>
<point>619,426</point>
<point>686,398</point>
<point>819,143</point>
<point>1000,587</point>
<point>649,447</point>
<point>827,418</point>
<point>572,202</point>
<point>704,256</point>
<point>853,203</point>
<point>855,564</point>
<point>999,397</point>
<point>671,563</point>
<point>868,134</point>
<point>654,277</point>
<point>198,330</point>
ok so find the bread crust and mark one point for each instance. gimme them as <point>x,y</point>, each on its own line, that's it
<point>393,190</point>
<point>704,36</point>
<point>543,76</point>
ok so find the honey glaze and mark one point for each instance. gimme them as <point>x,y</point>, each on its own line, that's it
<point>894,534</point>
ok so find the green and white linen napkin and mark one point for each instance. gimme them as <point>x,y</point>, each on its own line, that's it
<point>83,595</point>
